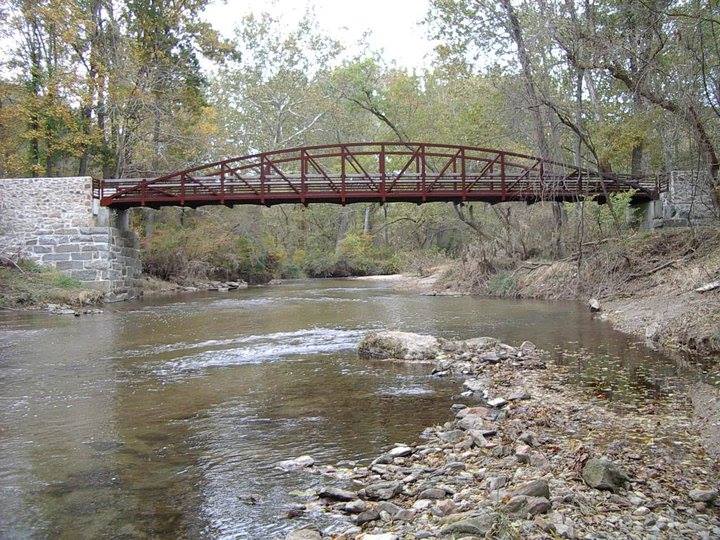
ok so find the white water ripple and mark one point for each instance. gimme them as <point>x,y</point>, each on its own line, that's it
<point>263,348</point>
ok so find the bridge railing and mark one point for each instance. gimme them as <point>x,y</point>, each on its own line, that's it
<point>372,171</point>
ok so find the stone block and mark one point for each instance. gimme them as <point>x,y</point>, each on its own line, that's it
<point>67,248</point>
<point>81,238</point>
<point>47,240</point>
<point>54,257</point>
<point>81,256</point>
<point>84,275</point>
<point>69,265</point>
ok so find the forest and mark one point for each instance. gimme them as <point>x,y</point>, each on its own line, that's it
<point>124,88</point>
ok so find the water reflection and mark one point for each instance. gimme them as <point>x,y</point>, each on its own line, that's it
<point>160,417</point>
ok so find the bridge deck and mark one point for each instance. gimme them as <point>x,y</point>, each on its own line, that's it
<point>374,172</point>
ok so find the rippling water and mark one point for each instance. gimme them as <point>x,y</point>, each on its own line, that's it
<point>159,418</point>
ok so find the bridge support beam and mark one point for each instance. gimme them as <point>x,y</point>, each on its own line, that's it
<point>56,222</point>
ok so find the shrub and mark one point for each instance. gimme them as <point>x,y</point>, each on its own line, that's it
<point>502,284</point>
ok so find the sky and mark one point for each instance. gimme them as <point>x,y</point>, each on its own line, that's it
<point>394,25</point>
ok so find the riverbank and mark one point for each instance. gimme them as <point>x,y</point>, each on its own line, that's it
<point>422,284</point>
<point>649,284</point>
<point>28,286</point>
<point>527,455</point>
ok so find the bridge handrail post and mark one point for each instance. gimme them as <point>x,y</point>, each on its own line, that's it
<point>381,167</point>
<point>182,189</point>
<point>462,169</point>
<point>502,174</point>
<point>423,169</point>
<point>343,154</point>
<point>303,175</point>
<point>263,168</point>
<point>222,180</point>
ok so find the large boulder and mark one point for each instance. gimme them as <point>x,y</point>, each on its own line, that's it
<point>400,346</point>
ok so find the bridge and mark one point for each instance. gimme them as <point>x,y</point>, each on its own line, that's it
<point>375,172</point>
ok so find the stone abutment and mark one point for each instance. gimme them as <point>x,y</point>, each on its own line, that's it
<point>55,222</point>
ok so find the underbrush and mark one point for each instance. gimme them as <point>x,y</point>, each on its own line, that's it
<point>30,285</point>
<point>357,255</point>
<point>208,251</point>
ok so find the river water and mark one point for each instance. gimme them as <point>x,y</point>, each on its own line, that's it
<point>161,417</point>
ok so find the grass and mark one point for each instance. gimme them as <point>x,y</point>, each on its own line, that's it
<point>31,285</point>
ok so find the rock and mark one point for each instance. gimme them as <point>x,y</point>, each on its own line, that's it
<point>528,437</point>
<point>522,453</point>
<point>497,402</point>
<point>336,494</point>
<point>296,464</point>
<point>400,451</point>
<point>421,504</point>
<point>479,525</point>
<point>452,436</point>
<point>703,495</point>
<point>564,527</point>
<point>594,305</point>
<point>536,488</point>
<point>295,510</point>
<point>518,395</point>
<point>357,506</point>
<point>478,439</point>
<point>601,473</point>
<point>399,345</point>
<point>307,533</point>
<point>474,421</point>
<point>432,493</point>
<point>475,385</point>
<point>405,515</point>
<point>445,507</point>
<point>496,482</point>
<point>381,536</point>
<point>527,506</point>
<point>383,491</point>
<point>367,516</point>
<point>490,358</point>
<point>481,343</point>
<point>390,508</point>
<point>527,347</point>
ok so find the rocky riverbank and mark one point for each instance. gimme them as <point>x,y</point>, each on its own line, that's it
<point>524,456</point>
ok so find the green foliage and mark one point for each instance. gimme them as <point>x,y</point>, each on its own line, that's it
<point>502,284</point>
<point>207,250</point>
<point>65,282</point>
<point>357,256</point>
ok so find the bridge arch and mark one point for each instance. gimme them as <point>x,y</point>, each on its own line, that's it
<point>382,172</point>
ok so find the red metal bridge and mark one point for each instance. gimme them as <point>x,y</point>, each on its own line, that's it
<point>375,172</point>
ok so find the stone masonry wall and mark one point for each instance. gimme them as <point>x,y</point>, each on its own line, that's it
<point>689,200</point>
<point>51,221</point>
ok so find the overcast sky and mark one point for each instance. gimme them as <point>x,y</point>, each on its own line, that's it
<point>394,24</point>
